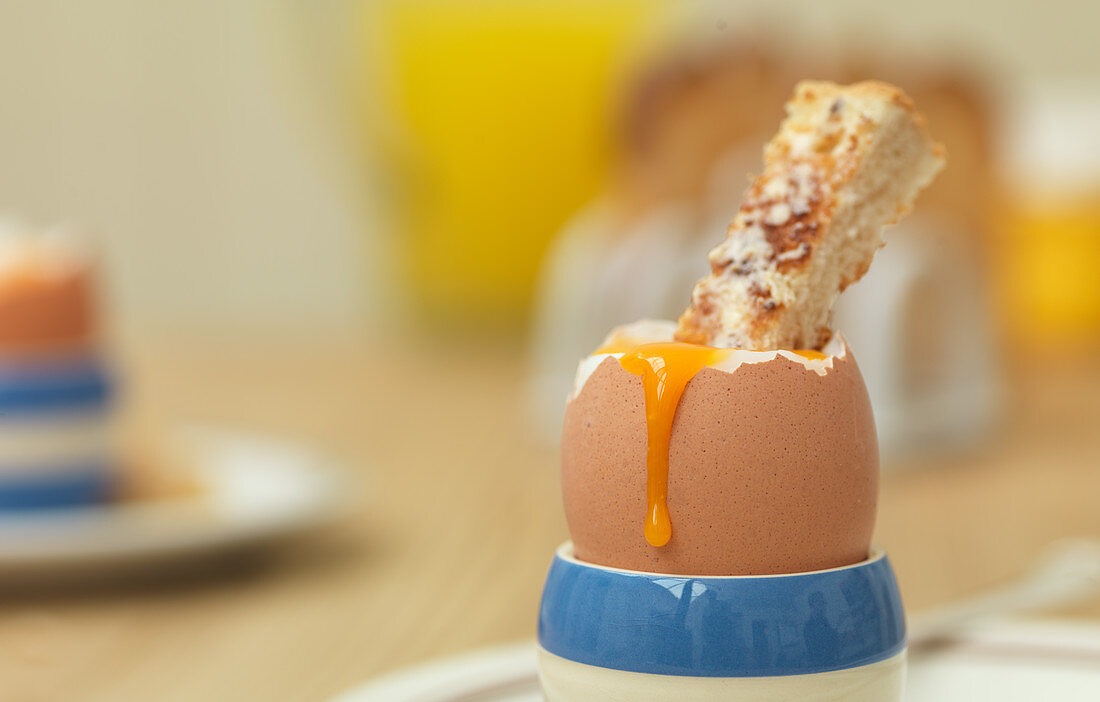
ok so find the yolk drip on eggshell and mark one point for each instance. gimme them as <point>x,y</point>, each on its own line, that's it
<point>771,467</point>
<point>665,369</point>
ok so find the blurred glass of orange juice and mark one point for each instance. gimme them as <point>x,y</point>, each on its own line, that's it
<point>1049,260</point>
<point>491,118</point>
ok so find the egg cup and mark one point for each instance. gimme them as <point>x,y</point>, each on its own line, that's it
<point>607,634</point>
<point>55,427</point>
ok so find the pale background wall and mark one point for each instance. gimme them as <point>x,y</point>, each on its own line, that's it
<point>163,127</point>
<point>173,131</point>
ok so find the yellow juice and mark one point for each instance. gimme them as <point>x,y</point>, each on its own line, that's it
<point>1050,269</point>
<point>494,116</point>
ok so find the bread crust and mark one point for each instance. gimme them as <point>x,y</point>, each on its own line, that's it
<point>847,161</point>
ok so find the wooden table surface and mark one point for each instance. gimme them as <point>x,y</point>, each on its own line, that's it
<point>456,512</point>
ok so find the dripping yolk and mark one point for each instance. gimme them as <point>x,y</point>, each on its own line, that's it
<point>666,369</point>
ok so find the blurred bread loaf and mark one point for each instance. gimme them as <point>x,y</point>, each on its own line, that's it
<point>847,161</point>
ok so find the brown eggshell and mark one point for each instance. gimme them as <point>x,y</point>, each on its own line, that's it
<point>772,469</point>
<point>37,312</point>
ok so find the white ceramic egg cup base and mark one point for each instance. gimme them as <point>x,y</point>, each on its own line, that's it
<point>568,681</point>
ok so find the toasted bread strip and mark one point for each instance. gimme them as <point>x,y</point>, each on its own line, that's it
<point>847,161</point>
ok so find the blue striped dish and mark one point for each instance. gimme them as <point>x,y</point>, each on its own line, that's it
<point>54,422</point>
<point>740,626</point>
<point>59,487</point>
<point>61,385</point>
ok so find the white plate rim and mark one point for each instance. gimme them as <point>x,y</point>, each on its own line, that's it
<point>309,486</point>
<point>468,676</point>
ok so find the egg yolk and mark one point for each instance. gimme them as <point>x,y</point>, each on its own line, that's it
<point>666,369</point>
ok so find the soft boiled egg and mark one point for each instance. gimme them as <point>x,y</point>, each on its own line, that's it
<point>45,293</point>
<point>687,459</point>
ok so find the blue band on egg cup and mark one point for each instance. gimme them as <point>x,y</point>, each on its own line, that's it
<point>44,390</point>
<point>34,388</point>
<point>738,626</point>
<point>77,485</point>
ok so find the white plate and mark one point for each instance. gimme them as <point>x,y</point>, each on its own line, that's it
<point>255,492</point>
<point>1007,661</point>
<point>501,674</point>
